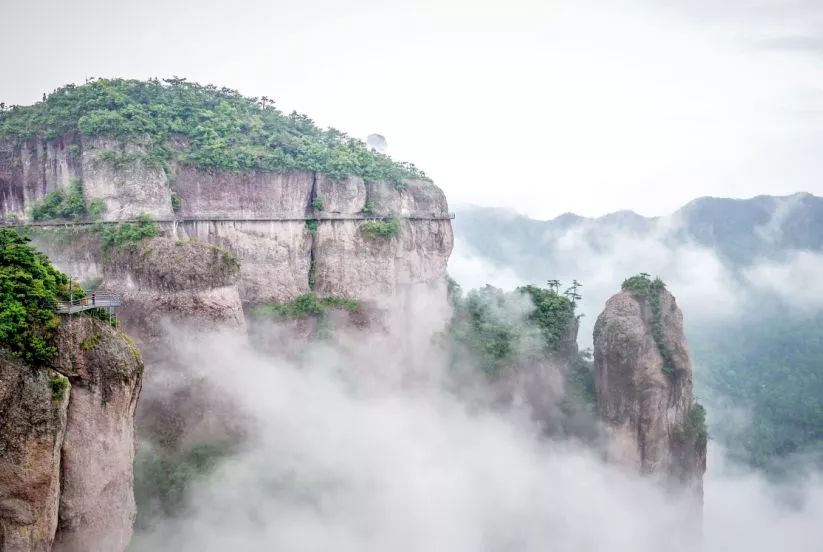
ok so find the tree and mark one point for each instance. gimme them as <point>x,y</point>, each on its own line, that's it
<point>29,287</point>
<point>554,285</point>
<point>572,293</point>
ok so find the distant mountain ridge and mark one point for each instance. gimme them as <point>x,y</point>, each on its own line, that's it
<point>739,230</point>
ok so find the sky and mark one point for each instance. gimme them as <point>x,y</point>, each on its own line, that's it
<point>540,106</point>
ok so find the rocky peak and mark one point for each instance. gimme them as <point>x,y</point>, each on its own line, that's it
<point>643,380</point>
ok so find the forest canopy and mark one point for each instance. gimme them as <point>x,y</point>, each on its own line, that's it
<point>202,125</point>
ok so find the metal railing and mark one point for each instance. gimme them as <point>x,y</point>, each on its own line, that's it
<point>98,299</point>
<point>321,216</point>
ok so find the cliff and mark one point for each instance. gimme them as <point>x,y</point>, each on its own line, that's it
<point>66,449</point>
<point>643,381</point>
<point>291,201</point>
<point>291,231</point>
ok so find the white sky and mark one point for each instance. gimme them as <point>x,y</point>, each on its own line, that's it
<point>538,105</point>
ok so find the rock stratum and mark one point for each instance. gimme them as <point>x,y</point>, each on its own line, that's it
<point>266,219</point>
<point>67,444</point>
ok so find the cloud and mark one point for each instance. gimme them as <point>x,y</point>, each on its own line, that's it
<point>796,281</point>
<point>473,271</point>
<point>362,448</point>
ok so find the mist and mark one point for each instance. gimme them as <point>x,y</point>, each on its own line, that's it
<point>359,445</point>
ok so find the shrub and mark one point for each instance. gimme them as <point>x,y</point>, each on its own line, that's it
<point>126,234</point>
<point>29,289</point>
<point>382,228</point>
<point>304,306</point>
<point>75,152</point>
<point>61,204</point>
<point>317,203</point>
<point>696,423</point>
<point>59,384</point>
<point>176,203</point>
<point>643,286</point>
<point>96,208</point>
<point>311,226</point>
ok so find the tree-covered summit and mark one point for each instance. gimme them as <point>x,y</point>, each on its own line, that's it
<point>217,128</point>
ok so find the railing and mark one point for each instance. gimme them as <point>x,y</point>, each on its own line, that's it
<point>98,299</point>
<point>16,223</point>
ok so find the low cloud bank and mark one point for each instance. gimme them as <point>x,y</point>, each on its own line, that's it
<point>707,287</point>
<point>360,447</point>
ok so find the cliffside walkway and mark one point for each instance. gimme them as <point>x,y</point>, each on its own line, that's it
<point>10,223</point>
<point>99,299</point>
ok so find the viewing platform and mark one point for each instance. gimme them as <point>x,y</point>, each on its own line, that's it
<point>99,299</point>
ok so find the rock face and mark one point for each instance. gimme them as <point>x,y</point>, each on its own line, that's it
<point>292,232</point>
<point>32,431</point>
<point>97,508</point>
<point>66,450</point>
<point>649,412</point>
<point>176,282</point>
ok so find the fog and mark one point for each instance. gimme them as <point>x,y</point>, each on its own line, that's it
<point>708,288</point>
<point>359,445</point>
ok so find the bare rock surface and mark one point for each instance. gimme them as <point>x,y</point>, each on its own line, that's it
<point>646,409</point>
<point>175,281</point>
<point>97,508</point>
<point>32,429</point>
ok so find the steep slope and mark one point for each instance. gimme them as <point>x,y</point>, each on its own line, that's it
<point>32,429</point>
<point>643,379</point>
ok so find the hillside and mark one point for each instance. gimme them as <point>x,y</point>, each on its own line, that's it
<point>203,125</point>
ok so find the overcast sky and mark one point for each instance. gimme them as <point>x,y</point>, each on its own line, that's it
<point>538,105</point>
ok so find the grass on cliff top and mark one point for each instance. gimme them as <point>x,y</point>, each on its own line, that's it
<point>223,129</point>
<point>29,288</point>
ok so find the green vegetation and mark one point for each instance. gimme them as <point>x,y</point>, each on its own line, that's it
<point>499,329</point>
<point>312,274</point>
<point>90,342</point>
<point>311,226</point>
<point>643,286</point>
<point>696,423</point>
<point>96,208</point>
<point>382,228</point>
<point>176,203</point>
<point>59,385</point>
<point>764,373</point>
<point>317,203</point>
<point>162,476</point>
<point>68,205</point>
<point>581,396</point>
<point>126,234</point>
<point>304,306</point>
<point>29,289</point>
<point>553,314</point>
<point>75,152</point>
<point>218,127</point>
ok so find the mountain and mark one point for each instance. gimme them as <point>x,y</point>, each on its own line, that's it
<point>746,273</point>
<point>741,231</point>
